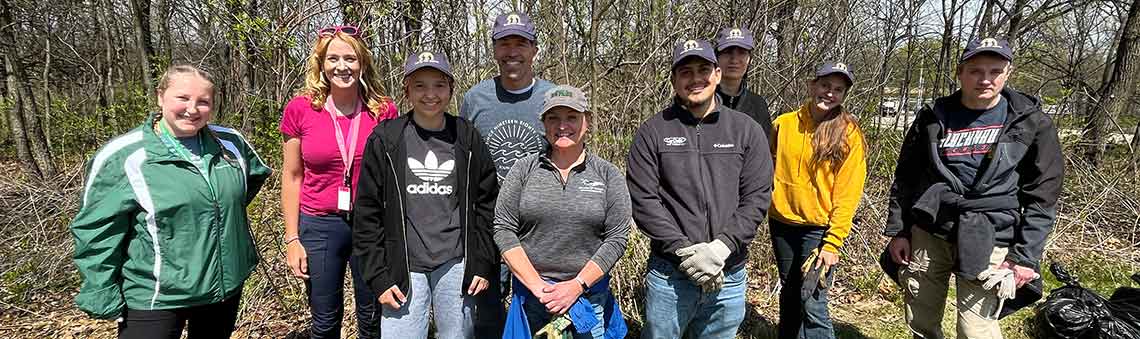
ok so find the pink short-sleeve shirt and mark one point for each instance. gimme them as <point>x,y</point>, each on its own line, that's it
<point>320,157</point>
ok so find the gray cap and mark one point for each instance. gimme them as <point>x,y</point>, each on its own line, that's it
<point>698,48</point>
<point>423,59</point>
<point>830,68</point>
<point>513,23</point>
<point>735,37</point>
<point>565,96</point>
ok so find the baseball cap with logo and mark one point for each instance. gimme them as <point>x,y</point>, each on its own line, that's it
<point>829,68</point>
<point>693,48</point>
<point>565,96</point>
<point>513,23</point>
<point>735,37</point>
<point>987,45</point>
<point>424,59</point>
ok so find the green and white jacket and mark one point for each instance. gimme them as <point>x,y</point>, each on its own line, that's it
<point>157,230</point>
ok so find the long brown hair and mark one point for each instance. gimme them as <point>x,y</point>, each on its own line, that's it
<point>830,143</point>
<point>317,87</point>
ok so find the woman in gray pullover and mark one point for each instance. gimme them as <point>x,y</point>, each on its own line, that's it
<point>561,221</point>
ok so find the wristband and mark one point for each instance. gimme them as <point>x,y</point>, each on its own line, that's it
<point>585,286</point>
<point>291,239</point>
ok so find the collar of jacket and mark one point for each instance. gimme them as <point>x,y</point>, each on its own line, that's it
<point>391,132</point>
<point>158,152</point>
<point>679,111</point>
<point>804,114</point>
<point>1020,104</point>
<point>743,89</point>
<point>545,161</point>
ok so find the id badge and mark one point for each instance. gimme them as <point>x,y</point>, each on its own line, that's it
<point>344,199</point>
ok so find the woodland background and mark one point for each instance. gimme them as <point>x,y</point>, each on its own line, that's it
<point>78,72</point>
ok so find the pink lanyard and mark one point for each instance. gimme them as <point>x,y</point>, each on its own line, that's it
<point>345,156</point>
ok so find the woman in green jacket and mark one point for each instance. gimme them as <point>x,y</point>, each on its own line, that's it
<point>162,238</point>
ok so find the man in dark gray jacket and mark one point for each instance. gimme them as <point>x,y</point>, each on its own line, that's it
<point>700,180</point>
<point>734,53</point>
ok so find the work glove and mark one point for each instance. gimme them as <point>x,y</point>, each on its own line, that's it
<point>714,284</point>
<point>704,261</point>
<point>809,264</point>
<point>1004,280</point>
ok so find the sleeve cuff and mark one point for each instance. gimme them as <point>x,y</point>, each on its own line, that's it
<point>105,303</point>
<point>732,246</point>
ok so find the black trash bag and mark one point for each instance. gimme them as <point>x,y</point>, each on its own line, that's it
<point>1074,312</point>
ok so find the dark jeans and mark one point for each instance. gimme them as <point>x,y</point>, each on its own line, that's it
<point>207,321</point>
<point>328,244</point>
<point>490,314</point>
<point>803,306</point>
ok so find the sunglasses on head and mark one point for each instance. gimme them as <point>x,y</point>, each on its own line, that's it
<point>331,30</point>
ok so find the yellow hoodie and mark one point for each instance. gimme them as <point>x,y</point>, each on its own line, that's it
<point>803,194</point>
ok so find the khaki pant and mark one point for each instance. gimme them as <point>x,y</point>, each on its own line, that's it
<point>926,281</point>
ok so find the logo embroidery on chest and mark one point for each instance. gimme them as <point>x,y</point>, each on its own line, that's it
<point>431,172</point>
<point>675,141</point>
<point>724,145</point>
<point>590,186</point>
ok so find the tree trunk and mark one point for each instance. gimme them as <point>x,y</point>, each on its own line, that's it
<point>786,35</point>
<point>141,20</point>
<point>986,19</point>
<point>1113,96</point>
<point>413,22</point>
<point>946,52</point>
<point>23,113</point>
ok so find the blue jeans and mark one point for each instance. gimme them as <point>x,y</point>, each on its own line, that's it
<point>328,244</point>
<point>675,306</point>
<point>803,307</point>
<point>538,317</point>
<point>437,295</point>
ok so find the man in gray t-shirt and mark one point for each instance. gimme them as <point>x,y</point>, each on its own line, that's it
<point>505,111</point>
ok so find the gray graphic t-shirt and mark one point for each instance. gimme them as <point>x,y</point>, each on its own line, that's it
<point>508,122</point>
<point>434,233</point>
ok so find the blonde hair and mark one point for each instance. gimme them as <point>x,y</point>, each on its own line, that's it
<point>317,87</point>
<point>184,70</point>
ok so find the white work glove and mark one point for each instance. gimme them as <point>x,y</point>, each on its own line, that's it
<point>1001,279</point>
<point>704,261</point>
<point>714,284</point>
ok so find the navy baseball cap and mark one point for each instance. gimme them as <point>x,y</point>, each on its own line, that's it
<point>513,23</point>
<point>829,68</point>
<point>988,45</point>
<point>735,37</point>
<point>424,59</point>
<point>693,48</point>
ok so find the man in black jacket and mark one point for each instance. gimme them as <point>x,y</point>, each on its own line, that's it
<point>734,53</point>
<point>974,195</point>
<point>700,180</point>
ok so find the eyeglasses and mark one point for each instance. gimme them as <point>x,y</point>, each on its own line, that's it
<point>331,30</point>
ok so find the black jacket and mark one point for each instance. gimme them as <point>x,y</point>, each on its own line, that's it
<point>752,104</point>
<point>1026,166</point>
<point>695,181</point>
<point>379,233</point>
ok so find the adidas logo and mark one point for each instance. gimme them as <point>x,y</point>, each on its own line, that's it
<point>430,171</point>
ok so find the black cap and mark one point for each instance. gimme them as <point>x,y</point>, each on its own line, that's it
<point>423,59</point>
<point>697,48</point>
<point>513,23</point>
<point>997,46</point>
<point>735,37</point>
<point>829,68</point>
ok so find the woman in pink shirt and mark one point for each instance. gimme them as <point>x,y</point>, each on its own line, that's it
<point>325,128</point>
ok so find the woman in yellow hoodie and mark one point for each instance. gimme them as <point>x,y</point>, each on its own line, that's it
<point>819,176</point>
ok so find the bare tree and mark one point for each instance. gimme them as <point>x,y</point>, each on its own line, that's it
<point>1114,94</point>
<point>23,113</point>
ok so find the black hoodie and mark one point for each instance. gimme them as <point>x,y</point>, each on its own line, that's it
<point>379,233</point>
<point>1026,165</point>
